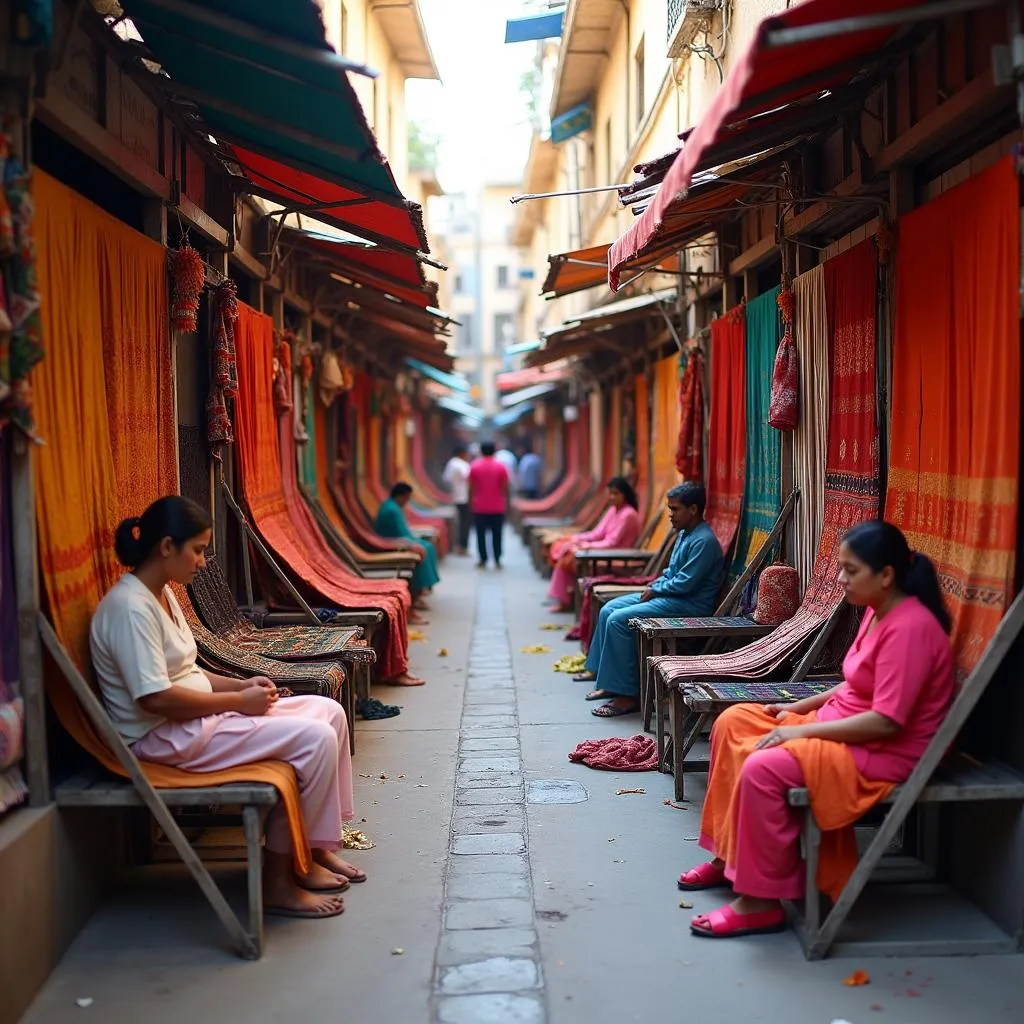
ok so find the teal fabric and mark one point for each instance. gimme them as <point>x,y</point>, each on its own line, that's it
<point>762,488</point>
<point>308,451</point>
<point>391,522</point>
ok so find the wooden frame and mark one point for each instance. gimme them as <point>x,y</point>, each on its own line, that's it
<point>249,941</point>
<point>970,783</point>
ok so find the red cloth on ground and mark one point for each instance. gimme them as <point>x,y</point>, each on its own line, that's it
<point>636,754</point>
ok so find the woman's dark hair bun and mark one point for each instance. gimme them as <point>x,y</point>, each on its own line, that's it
<point>172,516</point>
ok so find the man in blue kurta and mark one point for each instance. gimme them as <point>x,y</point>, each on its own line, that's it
<point>391,522</point>
<point>689,586</point>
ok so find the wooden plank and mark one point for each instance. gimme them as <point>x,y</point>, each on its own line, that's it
<point>109,735</point>
<point>203,222</point>
<point>119,793</point>
<point>253,826</point>
<point>972,691</point>
<point>248,262</point>
<point>760,252</point>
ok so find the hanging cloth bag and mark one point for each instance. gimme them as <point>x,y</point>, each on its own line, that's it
<point>784,407</point>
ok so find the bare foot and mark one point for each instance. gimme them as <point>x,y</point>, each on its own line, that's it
<point>404,679</point>
<point>418,620</point>
<point>753,905</point>
<point>563,609</point>
<point>335,864</point>
<point>291,900</point>
<point>321,879</point>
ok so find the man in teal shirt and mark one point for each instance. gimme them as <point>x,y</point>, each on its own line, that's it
<point>391,522</point>
<point>688,587</point>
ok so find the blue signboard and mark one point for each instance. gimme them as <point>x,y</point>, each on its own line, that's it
<point>579,119</point>
<point>534,26</point>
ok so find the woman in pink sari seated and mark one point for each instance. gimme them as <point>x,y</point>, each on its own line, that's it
<point>619,527</point>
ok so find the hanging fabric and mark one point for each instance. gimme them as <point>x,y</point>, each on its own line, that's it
<point>690,446</point>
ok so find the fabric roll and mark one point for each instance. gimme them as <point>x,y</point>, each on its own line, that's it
<point>727,427</point>
<point>762,487</point>
<point>955,448</point>
<point>810,439</point>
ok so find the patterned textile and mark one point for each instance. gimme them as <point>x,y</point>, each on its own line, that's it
<point>761,693</point>
<point>636,754</point>
<point>778,595</point>
<point>954,449</point>
<point>690,447</point>
<point>810,439</point>
<point>216,606</point>
<point>784,404</point>
<point>324,680</point>
<point>762,483</point>
<point>852,472</point>
<point>104,311</point>
<point>727,428</point>
<point>224,371</point>
<point>703,622</point>
<point>283,523</point>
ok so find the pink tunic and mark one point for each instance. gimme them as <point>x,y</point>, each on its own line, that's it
<point>618,528</point>
<point>488,487</point>
<point>903,669</point>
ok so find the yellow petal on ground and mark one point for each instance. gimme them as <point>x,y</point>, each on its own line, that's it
<point>442,652</point>
<point>571,663</point>
<point>535,649</point>
<point>552,627</point>
<point>417,636</point>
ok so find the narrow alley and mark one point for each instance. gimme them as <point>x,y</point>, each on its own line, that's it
<point>507,885</point>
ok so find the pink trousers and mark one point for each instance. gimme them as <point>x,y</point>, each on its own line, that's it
<point>310,733</point>
<point>562,585</point>
<point>768,862</point>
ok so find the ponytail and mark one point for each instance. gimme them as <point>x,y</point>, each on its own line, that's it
<point>878,544</point>
<point>172,517</point>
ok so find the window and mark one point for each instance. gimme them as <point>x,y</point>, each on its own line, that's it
<point>638,74</point>
<point>458,284</point>
<point>503,277</point>
<point>504,330</point>
<point>466,332</point>
<point>608,180</point>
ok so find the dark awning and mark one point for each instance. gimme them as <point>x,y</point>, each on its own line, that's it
<point>275,95</point>
<point>801,55</point>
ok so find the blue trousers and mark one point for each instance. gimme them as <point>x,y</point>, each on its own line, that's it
<point>613,655</point>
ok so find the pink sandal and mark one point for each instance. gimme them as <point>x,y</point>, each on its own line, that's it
<point>706,876</point>
<point>726,923</point>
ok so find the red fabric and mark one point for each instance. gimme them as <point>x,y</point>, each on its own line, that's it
<point>778,595</point>
<point>264,491</point>
<point>392,272</point>
<point>727,428</point>
<point>784,406</point>
<point>636,754</point>
<point>690,448</point>
<point>399,221</point>
<point>516,379</point>
<point>760,80</point>
<point>583,630</point>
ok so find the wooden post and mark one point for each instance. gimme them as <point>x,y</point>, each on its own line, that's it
<point>26,587</point>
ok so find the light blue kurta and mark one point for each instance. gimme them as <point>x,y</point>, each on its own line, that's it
<point>688,586</point>
<point>391,522</point>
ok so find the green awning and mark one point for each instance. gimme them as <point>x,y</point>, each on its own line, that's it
<point>448,380</point>
<point>267,84</point>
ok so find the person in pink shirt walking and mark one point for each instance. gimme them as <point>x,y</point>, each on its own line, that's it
<point>488,499</point>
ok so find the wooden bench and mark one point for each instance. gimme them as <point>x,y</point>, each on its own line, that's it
<point>936,779</point>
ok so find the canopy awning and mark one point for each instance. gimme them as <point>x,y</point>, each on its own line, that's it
<point>803,55</point>
<point>514,379</point>
<point>527,394</point>
<point>449,380</point>
<point>391,272</point>
<point>596,328</point>
<point>507,417</point>
<point>523,346</point>
<point>531,27</point>
<point>268,87</point>
<point>570,272</point>
<point>463,409</point>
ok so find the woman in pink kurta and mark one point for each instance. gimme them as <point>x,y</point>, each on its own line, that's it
<point>849,746</point>
<point>619,527</point>
<point>170,711</point>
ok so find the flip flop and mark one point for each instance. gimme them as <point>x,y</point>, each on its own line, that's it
<point>327,890</point>
<point>310,915</point>
<point>726,923</point>
<point>357,878</point>
<point>611,711</point>
<point>599,695</point>
<point>705,876</point>
<point>584,677</point>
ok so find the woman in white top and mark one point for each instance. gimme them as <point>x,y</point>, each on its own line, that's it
<point>170,711</point>
<point>456,478</point>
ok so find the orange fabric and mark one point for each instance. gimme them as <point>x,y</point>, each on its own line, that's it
<point>105,407</point>
<point>642,440</point>
<point>280,522</point>
<point>955,448</point>
<point>840,795</point>
<point>664,439</point>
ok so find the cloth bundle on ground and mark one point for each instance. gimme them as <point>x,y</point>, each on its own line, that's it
<point>277,510</point>
<point>105,391</point>
<point>636,754</point>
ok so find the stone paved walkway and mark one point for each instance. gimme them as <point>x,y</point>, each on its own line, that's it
<point>508,886</point>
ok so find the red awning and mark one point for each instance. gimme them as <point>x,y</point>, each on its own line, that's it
<point>386,220</point>
<point>516,379</point>
<point>774,72</point>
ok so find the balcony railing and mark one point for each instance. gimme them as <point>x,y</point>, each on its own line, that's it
<point>676,8</point>
<point>685,19</point>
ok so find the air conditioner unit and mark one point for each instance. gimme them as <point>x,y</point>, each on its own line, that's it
<point>686,18</point>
